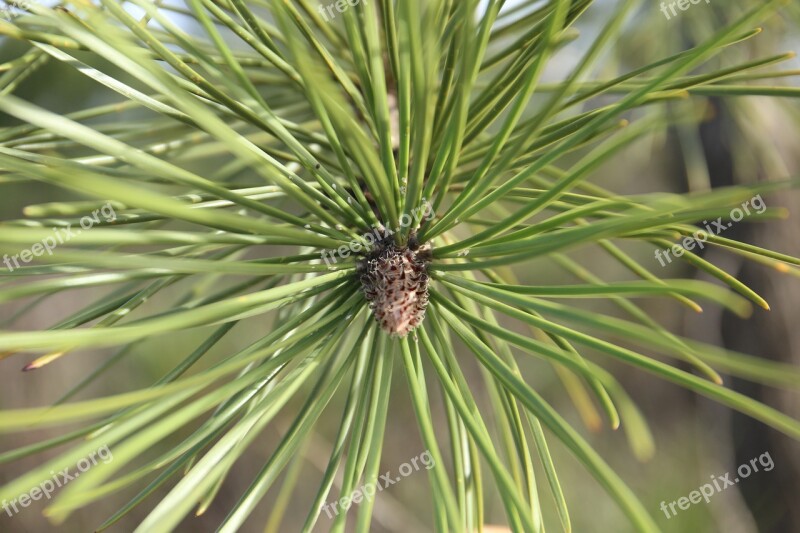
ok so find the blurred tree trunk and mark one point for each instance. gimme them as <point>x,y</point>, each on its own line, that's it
<point>773,497</point>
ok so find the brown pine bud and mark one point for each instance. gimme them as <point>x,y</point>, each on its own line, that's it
<point>395,282</point>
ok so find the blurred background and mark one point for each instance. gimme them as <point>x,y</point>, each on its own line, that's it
<point>741,140</point>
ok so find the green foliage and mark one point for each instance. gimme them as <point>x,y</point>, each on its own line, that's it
<point>235,153</point>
